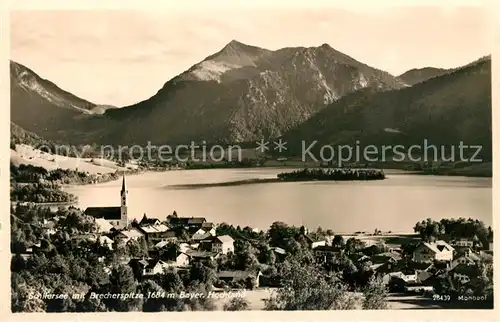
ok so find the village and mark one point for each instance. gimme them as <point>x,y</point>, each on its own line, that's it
<point>249,259</point>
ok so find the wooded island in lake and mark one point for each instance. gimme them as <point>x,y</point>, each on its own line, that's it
<point>332,174</point>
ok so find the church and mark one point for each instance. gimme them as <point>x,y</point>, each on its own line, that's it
<point>116,216</point>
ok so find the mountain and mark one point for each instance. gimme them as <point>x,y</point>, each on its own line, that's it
<point>18,135</point>
<point>40,106</point>
<point>419,75</point>
<point>243,93</point>
<point>240,93</point>
<point>444,110</point>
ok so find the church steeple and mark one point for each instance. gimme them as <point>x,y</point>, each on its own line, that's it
<point>123,208</point>
<point>123,185</point>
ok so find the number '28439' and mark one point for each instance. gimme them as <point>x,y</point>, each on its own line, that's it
<point>441,297</point>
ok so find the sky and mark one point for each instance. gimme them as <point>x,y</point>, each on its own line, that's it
<point>123,57</point>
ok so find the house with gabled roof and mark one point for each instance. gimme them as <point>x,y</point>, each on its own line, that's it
<point>105,241</point>
<point>240,276</point>
<point>220,244</point>
<point>145,221</point>
<point>181,260</point>
<point>324,254</point>
<point>197,237</point>
<point>186,222</point>
<point>131,234</point>
<point>201,256</point>
<point>103,225</point>
<point>154,267</point>
<point>433,251</point>
<point>463,242</point>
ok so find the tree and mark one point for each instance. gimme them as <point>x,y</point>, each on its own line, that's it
<point>236,304</point>
<point>134,249</point>
<point>154,297</point>
<point>171,282</point>
<point>484,284</point>
<point>305,288</point>
<point>267,256</point>
<point>26,298</point>
<point>279,233</point>
<point>202,274</point>
<point>122,282</point>
<point>17,263</point>
<point>91,304</point>
<point>375,295</point>
<point>353,245</point>
<point>171,251</point>
<point>338,240</point>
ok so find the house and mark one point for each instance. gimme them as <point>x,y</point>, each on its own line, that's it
<point>106,242</point>
<point>383,258</point>
<point>222,244</point>
<point>241,277</point>
<point>186,222</point>
<point>154,267</point>
<point>138,266</point>
<point>463,242</point>
<point>204,231</point>
<point>490,243</point>
<point>311,240</point>
<point>278,251</point>
<point>184,247</point>
<point>468,259</point>
<point>435,251</point>
<point>463,273</point>
<point>315,243</point>
<point>156,232</point>
<point>208,226</point>
<point>326,253</point>
<point>197,237</point>
<point>181,260</point>
<point>132,234</point>
<point>217,244</point>
<point>116,216</point>
<point>405,278</point>
<point>201,256</point>
<point>48,228</point>
<point>417,281</point>
<point>196,222</point>
<point>162,244</point>
<point>145,221</point>
<point>103,226</point>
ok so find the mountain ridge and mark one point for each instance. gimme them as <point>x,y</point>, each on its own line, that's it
<point>445,110</point>
<point>249,92</point>
<point>256,93</point>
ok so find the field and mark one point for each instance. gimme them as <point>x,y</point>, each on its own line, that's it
<point>393,240</point>
<point>25,154</point>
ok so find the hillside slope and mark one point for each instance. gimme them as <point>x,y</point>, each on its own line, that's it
<point>419,75</point>
<point>41,107</point>
<point>444,110</point>
<point>240,93</point>
<point>243,93</point>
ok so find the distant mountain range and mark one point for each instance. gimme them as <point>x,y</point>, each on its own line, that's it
<point>444,110</point>
<point>419,75</point>
<point>243,93</point>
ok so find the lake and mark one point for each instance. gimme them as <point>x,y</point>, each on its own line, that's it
<point>395,204</point>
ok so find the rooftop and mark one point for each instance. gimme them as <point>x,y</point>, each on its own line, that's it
<point>108,213</point>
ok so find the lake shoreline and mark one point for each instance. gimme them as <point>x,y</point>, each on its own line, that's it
<point>249,182</point>
<point>256,181</point>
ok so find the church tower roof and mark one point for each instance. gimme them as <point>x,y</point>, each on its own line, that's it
<point>123,184</point>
